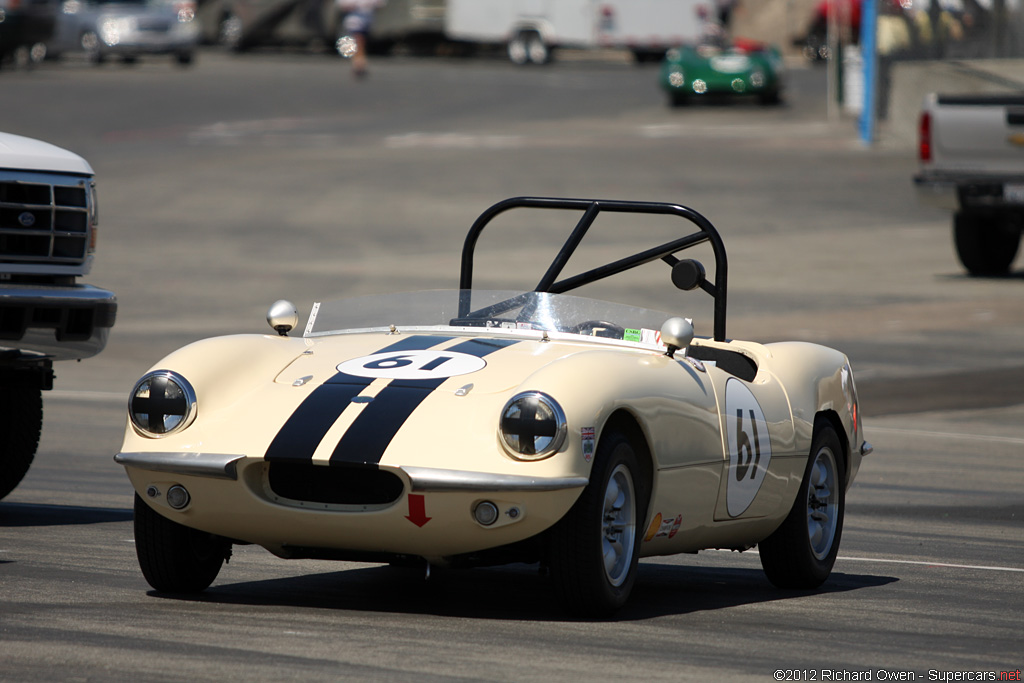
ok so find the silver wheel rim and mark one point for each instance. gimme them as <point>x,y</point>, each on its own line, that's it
<point>618,525</point>
<point>537,50</point>
<point>822,503</point>
<point>517,51</point>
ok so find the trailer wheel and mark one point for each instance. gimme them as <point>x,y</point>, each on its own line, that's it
<point>528,47</point>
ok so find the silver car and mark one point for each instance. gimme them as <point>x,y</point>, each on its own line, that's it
<point>126,29</point>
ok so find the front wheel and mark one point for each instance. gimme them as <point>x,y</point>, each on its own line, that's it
<point>594,549</point>
<point>801,552</point>
<point>175,558</point>
<point>21,419</point>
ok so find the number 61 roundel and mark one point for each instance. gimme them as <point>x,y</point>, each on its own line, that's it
<point>750,448</point>
<point>426,364</point>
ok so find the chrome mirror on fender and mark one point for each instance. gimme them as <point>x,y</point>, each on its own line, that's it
<point>283,316</point>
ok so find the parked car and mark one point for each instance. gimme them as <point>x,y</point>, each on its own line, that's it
<point>48,227</point>
<point>25,26</point>
<point>740,68</point>
<point>126,29</point>
<point>472,427</point>
<point>245,24</point>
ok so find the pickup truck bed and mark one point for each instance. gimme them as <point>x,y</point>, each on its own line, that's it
<point>971,153</point>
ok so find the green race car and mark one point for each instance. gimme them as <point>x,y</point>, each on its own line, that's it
<point>739,68</point>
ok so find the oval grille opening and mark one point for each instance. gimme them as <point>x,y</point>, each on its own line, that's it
<point>335,485</point>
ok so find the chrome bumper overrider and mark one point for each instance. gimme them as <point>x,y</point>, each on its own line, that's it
<point>216,465</point>
<point>421,479</point>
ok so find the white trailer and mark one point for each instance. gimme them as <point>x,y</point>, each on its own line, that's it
<point>533,28</point>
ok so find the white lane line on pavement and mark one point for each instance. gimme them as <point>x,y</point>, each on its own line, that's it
<point>931,564</point>
<point>947,435</point>
<point>882,560</point>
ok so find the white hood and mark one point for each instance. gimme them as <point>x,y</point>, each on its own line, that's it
<point>21,153</point>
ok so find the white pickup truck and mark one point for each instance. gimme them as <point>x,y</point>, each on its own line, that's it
<point>971,153</point>
<point>47,240</point>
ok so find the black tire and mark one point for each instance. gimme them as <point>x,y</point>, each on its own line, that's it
<point>175,558</point>
<point>770,99</point>
<point>802,551</point>
<point>678,99</point>
<point>578,543</point>
<point>21,420</point>
<point>985,245</point>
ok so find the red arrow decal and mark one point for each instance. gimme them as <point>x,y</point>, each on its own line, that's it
<point>417,510</point>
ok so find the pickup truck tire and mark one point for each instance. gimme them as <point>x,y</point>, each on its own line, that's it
<point>985,245</point>
<point>21,419</point>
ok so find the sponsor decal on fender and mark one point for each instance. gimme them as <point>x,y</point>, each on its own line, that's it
<point>587,436</point>
<point>663,528</point>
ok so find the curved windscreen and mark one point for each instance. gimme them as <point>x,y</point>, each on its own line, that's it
<point>499,311</point>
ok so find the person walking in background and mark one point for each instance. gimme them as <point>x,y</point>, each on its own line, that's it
<point>357,23</point>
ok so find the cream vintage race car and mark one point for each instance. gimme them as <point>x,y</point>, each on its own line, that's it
<point>477,427</point>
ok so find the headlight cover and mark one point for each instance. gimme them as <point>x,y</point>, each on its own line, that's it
<point>162,403</point>
<point>532,426</point>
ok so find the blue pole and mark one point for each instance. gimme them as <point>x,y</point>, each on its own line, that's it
<point>869,54</point>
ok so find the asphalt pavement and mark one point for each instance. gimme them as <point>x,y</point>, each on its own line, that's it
<point>251,178</point>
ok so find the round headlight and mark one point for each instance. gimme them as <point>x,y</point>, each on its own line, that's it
<point>162,403</point>
<point>532,426</point>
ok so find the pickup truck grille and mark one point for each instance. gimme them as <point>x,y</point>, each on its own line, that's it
<point>45,218</point>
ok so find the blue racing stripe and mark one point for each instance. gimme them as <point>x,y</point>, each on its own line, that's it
<point>371,433</point>
<point>299,437</point>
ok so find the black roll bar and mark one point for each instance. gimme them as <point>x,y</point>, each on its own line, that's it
<point>591,208</point>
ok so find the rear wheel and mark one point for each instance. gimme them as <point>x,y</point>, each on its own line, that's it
<point>801,552</point>
<point>90,43</point>
<point>21,419</point>
<point>229,32</point>
<point>175,558</point>
<point>678,99</point>
<point>594,549</point>
<point>985,244</point>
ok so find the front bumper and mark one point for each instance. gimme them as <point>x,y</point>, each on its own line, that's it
<point>57,322</point>
<point>432,517</point>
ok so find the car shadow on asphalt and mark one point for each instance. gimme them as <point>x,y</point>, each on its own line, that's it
<point>515,592</point>
<point>33,514</point>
